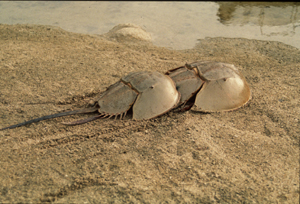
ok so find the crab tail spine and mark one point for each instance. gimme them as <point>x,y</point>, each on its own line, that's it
<point>87,110</point>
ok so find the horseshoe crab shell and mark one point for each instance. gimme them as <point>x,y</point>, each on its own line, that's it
<point>218,86</point>
<point>149,93</point>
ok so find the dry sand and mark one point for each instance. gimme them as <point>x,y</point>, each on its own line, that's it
<point>246,156</point>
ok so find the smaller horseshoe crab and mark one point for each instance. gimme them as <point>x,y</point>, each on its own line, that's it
<point>142,91</point>
<point>216,86</point>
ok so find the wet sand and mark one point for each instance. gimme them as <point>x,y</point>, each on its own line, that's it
<point>250,155</point>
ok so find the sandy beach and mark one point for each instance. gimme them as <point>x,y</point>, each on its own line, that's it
<point>250,155</point>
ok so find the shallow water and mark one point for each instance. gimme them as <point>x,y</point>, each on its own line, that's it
<point>176,25</point>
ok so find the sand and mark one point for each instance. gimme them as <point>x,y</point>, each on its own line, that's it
<point>250,155</point>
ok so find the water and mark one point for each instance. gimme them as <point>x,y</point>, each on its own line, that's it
<point>176,25</point>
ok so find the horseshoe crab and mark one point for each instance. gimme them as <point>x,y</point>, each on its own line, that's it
<point>149,94</point>
<point>216,86</point>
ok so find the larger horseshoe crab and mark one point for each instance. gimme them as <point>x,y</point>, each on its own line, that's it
<point>149,94</point>
<point>216,86</point>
